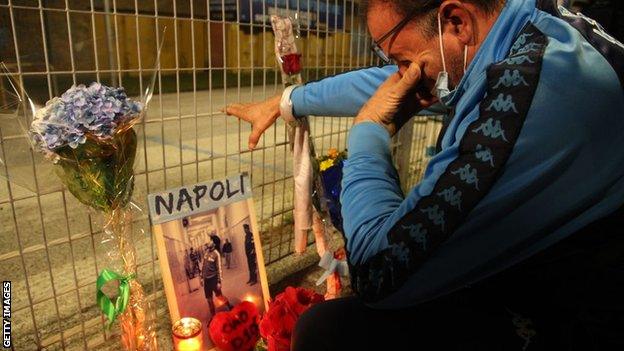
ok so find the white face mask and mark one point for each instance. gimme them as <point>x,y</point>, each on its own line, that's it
<point>441,88</point>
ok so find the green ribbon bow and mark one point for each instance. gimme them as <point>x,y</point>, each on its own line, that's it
<point>110,309</point>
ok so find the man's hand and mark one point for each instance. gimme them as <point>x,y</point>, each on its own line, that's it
<point>261,115</point>
<point>394,101</point>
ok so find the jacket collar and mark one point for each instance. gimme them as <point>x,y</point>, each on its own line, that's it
<point>513,17</point>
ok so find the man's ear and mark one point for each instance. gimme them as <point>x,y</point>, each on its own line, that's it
<point>459,21</point>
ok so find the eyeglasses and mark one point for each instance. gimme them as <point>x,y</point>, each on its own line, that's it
<point>375,45</point>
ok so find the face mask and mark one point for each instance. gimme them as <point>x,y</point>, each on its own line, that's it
<point>441,88</point>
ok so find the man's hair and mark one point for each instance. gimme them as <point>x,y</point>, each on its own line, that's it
<point>422,10</point>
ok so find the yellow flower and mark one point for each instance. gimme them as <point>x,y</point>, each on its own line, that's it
<point>326,164</point>
<point>332,152</point>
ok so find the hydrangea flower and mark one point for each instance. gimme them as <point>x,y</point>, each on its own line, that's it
<point>96,110</point>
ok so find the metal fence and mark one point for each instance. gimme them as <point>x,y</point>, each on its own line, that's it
<point>215,52</point>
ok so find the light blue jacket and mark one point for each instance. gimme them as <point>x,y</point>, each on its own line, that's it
<point>533,153</point>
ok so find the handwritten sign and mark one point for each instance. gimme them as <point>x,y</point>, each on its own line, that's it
<point>188,200</point>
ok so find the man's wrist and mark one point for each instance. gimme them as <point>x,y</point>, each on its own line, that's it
<point>285,105</point>
<point>390,128</point>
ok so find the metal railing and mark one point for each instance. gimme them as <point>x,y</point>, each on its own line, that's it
<point>215,52</point>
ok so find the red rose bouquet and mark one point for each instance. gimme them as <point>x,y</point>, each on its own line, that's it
<point>278,323</point>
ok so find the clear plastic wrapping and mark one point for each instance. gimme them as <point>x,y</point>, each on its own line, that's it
<point>137,322</point>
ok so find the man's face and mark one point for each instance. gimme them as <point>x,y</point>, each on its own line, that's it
<point>413,44</point>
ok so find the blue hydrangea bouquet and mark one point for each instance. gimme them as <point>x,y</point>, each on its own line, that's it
<point>88,134</point>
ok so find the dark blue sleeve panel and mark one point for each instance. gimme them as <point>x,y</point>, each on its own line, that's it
<point>340,95</point>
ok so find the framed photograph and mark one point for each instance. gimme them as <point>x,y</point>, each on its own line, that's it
<point>209,249</point>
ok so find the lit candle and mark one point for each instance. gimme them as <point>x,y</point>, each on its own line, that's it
<point>251,298</point>
<point>187,334</point>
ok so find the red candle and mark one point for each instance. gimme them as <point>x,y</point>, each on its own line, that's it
<point>187,334</point>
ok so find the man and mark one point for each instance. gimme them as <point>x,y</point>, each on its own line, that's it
<point>227,252</point>
<point>507,242</point>
<point>250,252</point>
<point>211,276</point>
<point>187,264</point>
<point>195,257</point>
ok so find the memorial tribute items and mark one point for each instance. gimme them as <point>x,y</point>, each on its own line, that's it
<point>288,58</point>
<point>187,222</point>
<point>317,192</point>
<point>88,134</point>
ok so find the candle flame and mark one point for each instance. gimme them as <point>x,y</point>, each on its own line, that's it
<point>251,298</point>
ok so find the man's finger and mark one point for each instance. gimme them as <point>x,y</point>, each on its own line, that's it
<point>254,137</point>
<point>237,110</point>
<point>410,78</point>
<point>233,108</point>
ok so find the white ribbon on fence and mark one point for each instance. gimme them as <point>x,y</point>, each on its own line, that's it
<point>331,265</point>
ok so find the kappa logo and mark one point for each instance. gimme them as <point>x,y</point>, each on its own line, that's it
<point>484,154</point>
<point>376,277</point>
<point>468,175</point>
<point>417,233</point>
<point>517,60</point>
<point>530,47</point>
<point>503,103</point>
<point>520,42</point>
<point>401,253</point>
<point>511,79</point>
<point>452,195</point>
<point>491,129</point>
<point>435,214</point>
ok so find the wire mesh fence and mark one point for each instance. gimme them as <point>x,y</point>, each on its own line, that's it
<point>215,52</point>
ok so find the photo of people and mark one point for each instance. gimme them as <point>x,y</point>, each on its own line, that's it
<point>210,261</point>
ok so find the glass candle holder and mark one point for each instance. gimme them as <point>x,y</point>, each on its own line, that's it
<point>187,334</point>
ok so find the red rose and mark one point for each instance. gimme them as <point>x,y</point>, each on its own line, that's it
<point>300,299</point>
<point>278,323</point>
<point>236,330</point>
<point>291,63</point>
